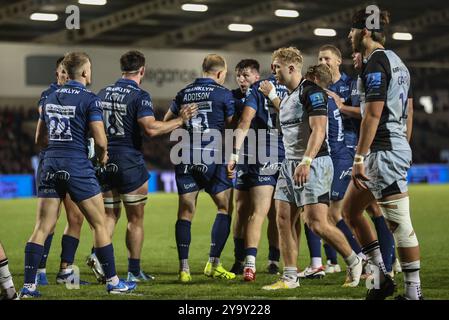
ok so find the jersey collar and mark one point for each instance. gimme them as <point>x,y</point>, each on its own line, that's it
<point>205,80</point>
<point>128,81</point>
<point>74,83</point>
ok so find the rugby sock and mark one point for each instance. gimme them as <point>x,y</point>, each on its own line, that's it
<point>106,257</point>
<point>239,249</point>
<point>183,237</point>
<point>33,256</point>
<point>184,265</point>
<point>47,245</point>
<point>69,245</point>
<point>349,236</point>
<point>219,234</point>
<point>386,241</point>
<point>5,275</point>
<point>411,280</point>
<point>331,254</point>
<point>291,273</point>
<point>352,259</point>
<point>251,254</point>
<point>134,266</point>
<point>372,252</point>
<point>274,254</point>
<point>314,243</point>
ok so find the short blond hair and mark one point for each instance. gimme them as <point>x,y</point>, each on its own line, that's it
<point>288,55</point>
<point>213,63</point>
<point>320,71</point>
<point>73,63</point>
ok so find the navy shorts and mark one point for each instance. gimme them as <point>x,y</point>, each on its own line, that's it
<point>59,176</point>
<point>342,177</point>
<point>194,177</point>
<point>130,174</point>
<point>254,175</point>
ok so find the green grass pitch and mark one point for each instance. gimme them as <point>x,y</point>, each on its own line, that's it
<point>430,213</point>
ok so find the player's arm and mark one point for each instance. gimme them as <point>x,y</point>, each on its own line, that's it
<point>269,91</point>
<point>153,128</point>
<point>409,118</point>
<point>41,136</point>
<point>350,111</point>
<point>101,142</point>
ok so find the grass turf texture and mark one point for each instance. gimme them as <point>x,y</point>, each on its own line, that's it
<point>430,212</point>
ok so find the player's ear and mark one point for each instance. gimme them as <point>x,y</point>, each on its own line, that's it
<point>142,71</point>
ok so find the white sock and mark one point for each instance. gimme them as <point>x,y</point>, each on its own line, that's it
<point>65,271</point>
<point>291,273</point>
<point>184,265</point>
<point>250,262</point>
<point>412,282</point>
<point>273,262</point>
<point>41,270</point>
<point>214,260</point>
<point>352,259</point>
<point>316,262</point>
<point>5,276</point>
<point>30,286</point>
<point>114,280</point>
<point>362,256</point>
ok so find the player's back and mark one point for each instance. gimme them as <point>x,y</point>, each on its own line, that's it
<point>123,104</point>
<point>215,105</point>
<point>66,113</point>
<point>385,77</point>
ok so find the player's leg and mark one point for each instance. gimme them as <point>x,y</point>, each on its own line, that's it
<point>186,212</point>
<point>134,203</point>
<point>396,209</point>
<point>221,228</point>
<point>41,275</point>
<point>243,209</point>
<point>7,289</point>
<point>260,197</point>
<point>315,268</point>
<point>384,235</point>
<point>287,215</point>
<point>274,254</point>
<point>70,239</point>
<point>47,215</point>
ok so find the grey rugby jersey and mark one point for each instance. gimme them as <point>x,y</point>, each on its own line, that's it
<point>385,78</point>
<point>308,99</point>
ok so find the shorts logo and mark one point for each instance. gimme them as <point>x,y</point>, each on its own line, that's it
<point>264,179</point>
<point>197,168</point>
<point>335,194</point>
<point>345,173</point>
<point>189,186</point>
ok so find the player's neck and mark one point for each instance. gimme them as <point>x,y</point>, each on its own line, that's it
<point>133,78</point>
<point>80,80</point>
<point>371,46</point>
<point>336,76</point>
<point>294,82</point>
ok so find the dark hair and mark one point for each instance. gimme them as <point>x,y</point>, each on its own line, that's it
<point>213,63</point>
<point>332,49</point>
<point>58,62</point>
<point>132,61</point>
<point>248,63</point>
<point>73,62</point>
<point>320,71</point>
<point>359,19</point>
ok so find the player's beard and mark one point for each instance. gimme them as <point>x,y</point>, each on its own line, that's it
<point>357,42</point>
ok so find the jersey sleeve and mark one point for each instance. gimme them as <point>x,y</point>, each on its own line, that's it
<point>41,101</point>
<point>410,91</point>
<point>176,104</point>
<point>144,106</point>
<point>95,111</point>
<point>354,98</point>
<point>229,104</point>
<point>315,101</point>
<point>375,78</point>
<point>252,97</point>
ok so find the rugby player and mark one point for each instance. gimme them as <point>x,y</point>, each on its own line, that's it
<point>215,110</point>
<point>306,174</point>
<point>67,116</point>
<point>383,156</point>
<point>7,289</point>
<point>128,111</point>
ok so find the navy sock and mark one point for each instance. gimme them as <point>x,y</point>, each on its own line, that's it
<point>349,236</point>
<point>33,256</point>
<point>69,245</point>
<point>251,252</point>
<point>313,241</point>
<point>331,253</point>
<point>274,254</point>
<point>134,266</point>
<point>183,238</point>
<point>47,246</point>
<point>386,241</point>
<point>106,257</point>
<point>239,249</point>
<point>219,234</point>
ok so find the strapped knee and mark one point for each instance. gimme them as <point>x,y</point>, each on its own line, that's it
<point>134,199</point>
<point>112,203</point>
<point>397,212</point>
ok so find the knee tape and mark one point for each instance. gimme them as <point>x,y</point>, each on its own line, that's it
<point>134,199</point>
<point>398,212</point>
<point>112,203</point>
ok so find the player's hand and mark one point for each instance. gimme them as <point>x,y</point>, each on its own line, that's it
<point>188,111</point>
<point>336,98</point>
<point>359,177</point>
<point>301,174</point>
<point>103,159</point>
<point>232,164</point>
<point>265,87</point>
